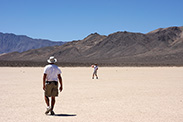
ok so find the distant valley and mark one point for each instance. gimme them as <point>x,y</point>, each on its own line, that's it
<point>20,43</point>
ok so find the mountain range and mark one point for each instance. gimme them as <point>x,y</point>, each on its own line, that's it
<point>163,46</point>
<point>20,43</point>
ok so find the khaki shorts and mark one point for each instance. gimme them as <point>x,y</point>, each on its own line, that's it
<point>51,89</point>
<point>95,72</point>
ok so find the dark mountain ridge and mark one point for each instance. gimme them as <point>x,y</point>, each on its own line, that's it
<point>160,47</point>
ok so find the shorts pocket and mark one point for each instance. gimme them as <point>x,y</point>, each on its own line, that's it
<point>55,92</point>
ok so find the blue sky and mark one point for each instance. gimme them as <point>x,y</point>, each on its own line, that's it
<point>67,20</point>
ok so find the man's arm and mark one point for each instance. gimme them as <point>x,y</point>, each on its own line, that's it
<point>60,81</point>
<point>44,80</point>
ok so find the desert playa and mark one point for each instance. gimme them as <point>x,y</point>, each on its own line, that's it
<point>121,94</point>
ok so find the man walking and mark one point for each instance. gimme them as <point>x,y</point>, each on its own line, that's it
<point>50,83</point>
<point>95,71</point>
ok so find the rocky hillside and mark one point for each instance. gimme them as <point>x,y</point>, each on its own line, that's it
<point>12,43</point>
<point>160,47</point>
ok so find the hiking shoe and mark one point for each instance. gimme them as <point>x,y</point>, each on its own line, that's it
<point>52,113</point>
<point>48,110</point>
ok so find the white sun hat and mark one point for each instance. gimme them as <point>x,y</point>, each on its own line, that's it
<point>52,59</point>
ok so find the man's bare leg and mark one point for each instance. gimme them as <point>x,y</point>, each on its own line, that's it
<point>52,104</point>
<point>47,101</point>
<point>93,76</point>
<point>96,75</point>
<point>48,105</point>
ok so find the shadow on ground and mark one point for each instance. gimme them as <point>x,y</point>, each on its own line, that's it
<point>64,115</point>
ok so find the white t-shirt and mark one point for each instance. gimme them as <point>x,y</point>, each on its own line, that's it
<point>95,68</point>
<point>52,72</point>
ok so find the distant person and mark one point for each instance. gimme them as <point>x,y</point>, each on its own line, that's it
<point>50,83</point>
<point>95,66</point>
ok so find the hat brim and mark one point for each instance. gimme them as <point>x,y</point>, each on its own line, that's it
<point>49,61</point>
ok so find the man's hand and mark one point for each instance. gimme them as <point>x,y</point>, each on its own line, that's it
<point>60,88</point>
<point>60,80</point>
<point>44,87</point>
